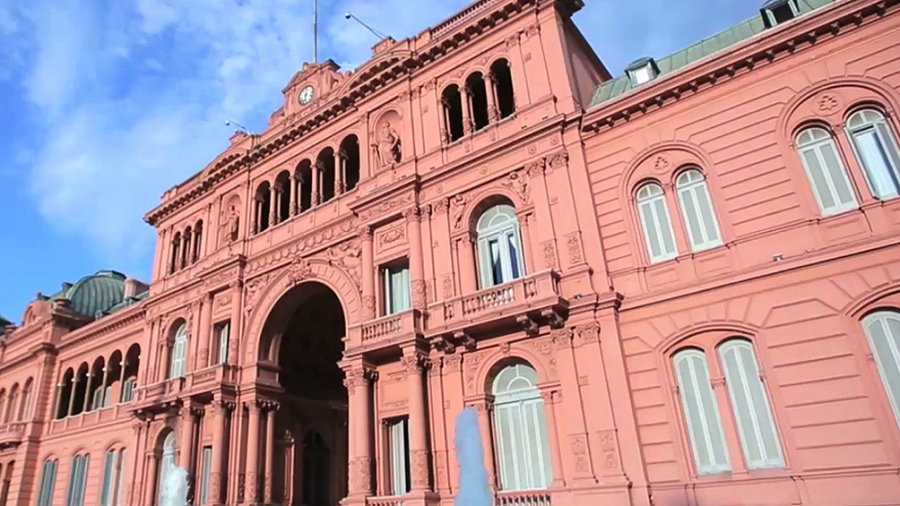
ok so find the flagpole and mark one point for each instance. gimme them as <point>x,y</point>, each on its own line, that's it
<point>315,31</point>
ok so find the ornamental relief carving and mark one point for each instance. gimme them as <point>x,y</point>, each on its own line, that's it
<point>573,244</point>
<point>297,248</point>
<point>387,206</point>
<point>471,368</point>
<point>546,348</point>
<point>392,237</point>
<point>347,256</point>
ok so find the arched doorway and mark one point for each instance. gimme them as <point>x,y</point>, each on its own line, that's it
<point>303,337</point>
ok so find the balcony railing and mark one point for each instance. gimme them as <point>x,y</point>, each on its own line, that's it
<point>523,498</point>
<point>192,383</point>
<point>533,294</point>
<point>11,434</point>
<point>384,501</point>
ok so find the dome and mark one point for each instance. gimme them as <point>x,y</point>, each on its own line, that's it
<point>96,294</point>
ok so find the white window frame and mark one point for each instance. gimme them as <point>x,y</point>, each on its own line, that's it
<point>815,146</point>
<point>519,415</point>
<point>78,474</point>
<point>871,121</point>
<point>179,353</point>
<point>398,445</point>
<point>690,381</point>
<point>499,225</point>
<point>204,479</point>
<point>128,386</point>
<point>653,211</point>
<point>166,463</point>
<point>694,196</point>
<point>395,278</point>
<point>885,349</point>
<point>224,335</point>
<point>48,483</point>
<point>113,478</point>
<point>749,399</point>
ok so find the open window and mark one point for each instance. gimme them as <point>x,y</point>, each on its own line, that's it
<point>451,98</point>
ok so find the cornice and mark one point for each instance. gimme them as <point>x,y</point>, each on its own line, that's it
<point>107,325</point>
<point>443,40</point>
<point>758,52</point>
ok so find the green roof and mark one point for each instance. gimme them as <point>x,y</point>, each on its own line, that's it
<point>725,39</point>
<point>3,323</point>
<point>94,295</point>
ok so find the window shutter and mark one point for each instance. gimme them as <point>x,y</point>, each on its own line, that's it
<point>224,337</point>
<point>756,426</point>
<point>108,479</point>
<point>701,412</point>
<point>399,457</point>
<point>121,486</point>
<point>204,482</point>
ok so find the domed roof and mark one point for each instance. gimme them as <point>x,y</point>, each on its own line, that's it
<point>96,294</point>
<point>3,323</point>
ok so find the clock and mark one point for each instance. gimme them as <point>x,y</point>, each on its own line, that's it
<point>306,95</point>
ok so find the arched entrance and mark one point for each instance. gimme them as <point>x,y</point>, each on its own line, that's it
<point>303,336</point>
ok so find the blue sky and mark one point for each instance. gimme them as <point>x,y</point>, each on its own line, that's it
<point>107,103</point>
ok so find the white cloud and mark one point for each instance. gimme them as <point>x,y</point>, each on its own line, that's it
<point>131,97</point>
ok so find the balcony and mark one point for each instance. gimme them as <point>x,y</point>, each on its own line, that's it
<point>523,498</point>
<point>386,330</point>
<point>90,418</point>
<point>385,501</point>
<point>159,396</point>
<point>11,434</point>
<point>524,302</point>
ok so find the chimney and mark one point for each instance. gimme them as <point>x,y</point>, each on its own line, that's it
<point>131,287</point>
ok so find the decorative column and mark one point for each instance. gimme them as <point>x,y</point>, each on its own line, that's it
<point>525,227</point>
<point>416,262</point>
<point>295,191</point>
<point>360,418</point>
<point>234,326</point>
<point>415,365</point>
<point>87,391</point>
<point>466,103</point>
<point>217,410</point>
<point>122,365</point>
<point>273,207</point>
<point>339,165</point>
<point>257,219</point>
<point>550,400</point>
<point>252,491</point>
<point>103,386</point>
<point>468,273</point>
<point>491,89</point>
<point>152,475</point>
<point>202,359</point>
<point>316,182</point>
<point>59,390</point>
<point>271,408</point>
<point>187,436</point>
<point>368,272</point>
<point>485,408</point>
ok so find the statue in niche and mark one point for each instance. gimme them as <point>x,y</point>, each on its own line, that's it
<point>232,224</point>
<point>387,149</point>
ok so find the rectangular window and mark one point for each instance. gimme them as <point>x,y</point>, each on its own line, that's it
<point>223,333</point>
<point>77,480</point>
<point>701,412</point>
<point>128,389</point>
<point>396,287</point>
<point>110,465</point>
<point>97,399</point>
<point>120,487</point>
<point>204,480</point>
<point>48,483</point>
<point>398,443</point>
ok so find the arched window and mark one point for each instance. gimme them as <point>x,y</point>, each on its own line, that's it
<point>476,93</point>
<point>186,248</point>
<point>77,480</point>
<point>11,403</point>
<point>451,98</point>
<point>64,397</point>
<point>305,178</point>
<point>501,78</point>
<point>167,462</point>
<point>520,430</point>
<point>27,394</point>
<point>173,259</point>
<point>48,483</point>
<point>349,155</point>
<point>112,488</point>
<point>499,246</point>
<point>827,175</point>
<point>697,209</point>
<point>283,197</point>
<point>883,333</point>
<point>752,413</point>
<point>198,241</point>
<point>701,412</point>
<point>179,353</point>
<point>325,168</point>
<point>877,152</point>
<point>655,222</point>
<point>263,202</point>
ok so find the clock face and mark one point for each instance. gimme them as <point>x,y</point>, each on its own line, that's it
<point>306,95</point>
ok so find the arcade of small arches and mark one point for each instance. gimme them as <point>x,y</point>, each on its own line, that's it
<point>108,380</point>
<point>311,184</point>
<point>16,404</point>
<point>186,247</point>
<point>482,100</point>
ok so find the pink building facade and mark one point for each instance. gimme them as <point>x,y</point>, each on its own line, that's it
<point>675,287</point>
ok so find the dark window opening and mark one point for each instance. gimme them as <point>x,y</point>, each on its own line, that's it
<point>350,157</point>
<point>478,103</point>
<point>782,13</point>
<point>304,175</point>
<point>185,250</point>
<point>453,117</point>
<point>263,207</point>
<point>173,260</point>
<point>503,88</point>
<point>198,240</point>
<point>325,164</point>
<point>283,192</point>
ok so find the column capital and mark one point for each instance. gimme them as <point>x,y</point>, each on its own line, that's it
<point>415,362</point>
<point>365,232</point>
<point>412,214</point>
<point>359,376</point>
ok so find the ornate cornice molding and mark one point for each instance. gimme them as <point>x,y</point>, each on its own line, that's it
<point>757,52</point>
